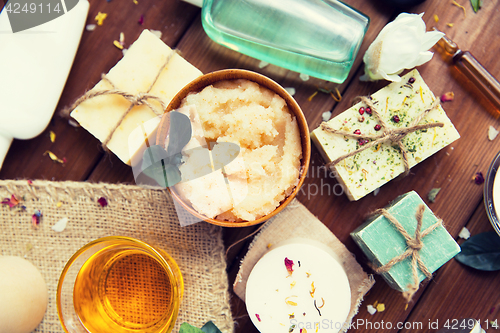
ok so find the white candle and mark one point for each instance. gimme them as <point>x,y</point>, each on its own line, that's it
<point>298,287</point>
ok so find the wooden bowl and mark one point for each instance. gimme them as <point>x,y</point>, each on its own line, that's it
<point>232,74</point>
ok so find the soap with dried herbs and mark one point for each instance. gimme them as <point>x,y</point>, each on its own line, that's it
<point>398,104</point>
<point>380,241</point>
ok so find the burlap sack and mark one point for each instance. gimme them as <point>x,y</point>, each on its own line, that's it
<point>146,214</point>
<point>296,221</point>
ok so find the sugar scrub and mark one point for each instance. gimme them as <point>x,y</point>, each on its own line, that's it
<point>267,168</point>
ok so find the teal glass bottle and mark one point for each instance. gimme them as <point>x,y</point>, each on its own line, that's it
<point>320,38</point>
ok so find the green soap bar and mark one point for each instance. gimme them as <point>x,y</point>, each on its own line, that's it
<point>381,241</point>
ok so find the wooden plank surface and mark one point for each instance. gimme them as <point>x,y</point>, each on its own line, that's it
<point>456,291</point>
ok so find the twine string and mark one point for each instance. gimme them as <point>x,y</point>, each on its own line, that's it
<point>395,135</point>
<point>414,245</point>
<point>141,98</point>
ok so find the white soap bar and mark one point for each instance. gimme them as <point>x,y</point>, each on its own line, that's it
<point>368,170</point>
<point>34,67</point>
<point>148,59</point>
<point>297,286</point>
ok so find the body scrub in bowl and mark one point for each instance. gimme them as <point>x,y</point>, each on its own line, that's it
<point>257,115</point>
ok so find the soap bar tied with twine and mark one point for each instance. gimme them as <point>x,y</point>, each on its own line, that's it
<point>138,99</point>
<point>395,135</point>
<point>414,245</point>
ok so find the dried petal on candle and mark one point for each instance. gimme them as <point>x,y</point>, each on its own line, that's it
<point>322,304</point>
<point>433,193</point>
<point>290,302</point>
<point>35,218</point>
<point>319,312</point>
<point>371,310</point>
<point>290,330</point>
<point>60,225</point>
<point>100,17</point>
<point>303,330</point>
<point>492,133</point>
<point>12,202</point>
<point>291,316</point>
<point>141,20</point>
<point>52,136</point>
<point>54,157</point>
<point>102,201</point>
<point>289,266</point>
<point>117,44</point>
<point>464,233</point>
<point>478,178</point>
<point>447,97</point>
<point>258,317</point>
<point>313,290</point>
<point>381,307</point>
<point>293,284</point>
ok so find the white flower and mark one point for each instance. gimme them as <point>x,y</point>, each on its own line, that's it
<point>402,44</point>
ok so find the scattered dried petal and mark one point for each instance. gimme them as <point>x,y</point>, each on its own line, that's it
<point>141,20</point>
<point>460,6</point>
<point>464,233</point>
<point>371,309</point>
<point>478,178</point>
<point>135,2</point>
<point>30,182</point>
<point>117,44</point>
<point>269,245</point>
<point>337,97</point>
<point>433,193</point>
<point>263,64</point>
<point>436,18</point>
<point>60,225</point>
<point>492,133</point>
<point>312,96</point>
<point>12,202</point>
<point>35,218</point>
<point>326,115</point>
<point>304,77</point>
<point>90,27</point>
<point>447,97</point>
<point>102,201</point>
<point>381,307</point>
<point>289,266</point>
<point>100,17</point>
<point>290,90</point>
<point>258,317</point>
<point>59,204</point>
<point>52,136</point>
<point>54,157</point>
<point>450,25</point>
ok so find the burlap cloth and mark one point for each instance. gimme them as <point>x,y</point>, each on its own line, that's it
<point>146,214</point>
<point>296,221</point>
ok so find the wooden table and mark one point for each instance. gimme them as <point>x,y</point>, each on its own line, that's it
<point>456,292</point>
